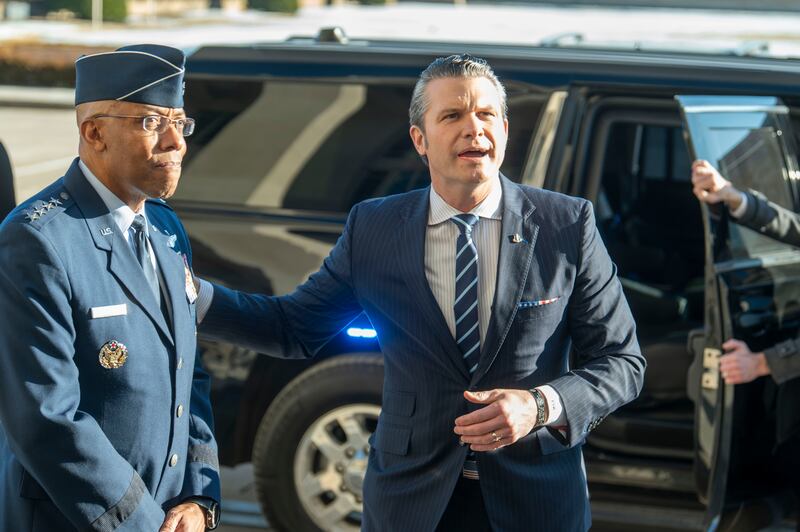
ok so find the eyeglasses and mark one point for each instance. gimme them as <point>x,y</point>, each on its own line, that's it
<point>159,124</point>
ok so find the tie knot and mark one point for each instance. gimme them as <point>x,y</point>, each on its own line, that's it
<point>138,223</point>
<point>465,222</point>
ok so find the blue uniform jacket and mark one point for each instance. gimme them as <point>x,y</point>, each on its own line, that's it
<point>83,446</point>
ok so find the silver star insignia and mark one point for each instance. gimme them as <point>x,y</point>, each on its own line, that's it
<point>40,211</point>
<point>32,216</point>
<point>54,202</point>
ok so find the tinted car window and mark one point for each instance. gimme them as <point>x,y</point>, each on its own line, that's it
<point>645,182</point>
<point>748,148</point>
<point>313,146</point>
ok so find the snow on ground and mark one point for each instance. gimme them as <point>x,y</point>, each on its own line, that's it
<point>468,23</point>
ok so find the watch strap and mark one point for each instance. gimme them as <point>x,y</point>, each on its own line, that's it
<point>541,408</point>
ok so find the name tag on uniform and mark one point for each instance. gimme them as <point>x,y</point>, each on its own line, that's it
<point>109,311</point>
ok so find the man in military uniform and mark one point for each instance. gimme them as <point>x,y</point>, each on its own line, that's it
<point>104,411</point>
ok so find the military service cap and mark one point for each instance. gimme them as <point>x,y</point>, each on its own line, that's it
<point>143,73</point>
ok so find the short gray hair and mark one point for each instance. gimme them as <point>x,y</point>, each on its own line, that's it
<point>453,66</point>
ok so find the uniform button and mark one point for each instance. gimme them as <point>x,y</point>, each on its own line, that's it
<point>179,411</point>
<point>173,460</point>
<point>180,363</point>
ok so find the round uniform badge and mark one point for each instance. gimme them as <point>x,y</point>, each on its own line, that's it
<point>113,355</point>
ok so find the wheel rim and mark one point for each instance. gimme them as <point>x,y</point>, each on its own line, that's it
<point>330,463</point>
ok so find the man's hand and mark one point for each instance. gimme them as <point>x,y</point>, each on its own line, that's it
<point>186,517</point>
<point>508,416</point>
<point>740,365</point>
<point>710,187</point>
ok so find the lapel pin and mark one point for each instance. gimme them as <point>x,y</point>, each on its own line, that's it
<point>105,231</point>
<point>516,238</point>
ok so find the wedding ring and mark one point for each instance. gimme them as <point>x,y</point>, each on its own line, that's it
<point>496,437</point>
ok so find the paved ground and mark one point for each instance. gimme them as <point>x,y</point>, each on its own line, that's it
<point>40,142</point>
<point>242,513</point>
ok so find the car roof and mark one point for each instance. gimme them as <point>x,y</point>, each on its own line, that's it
<point>540,66</point>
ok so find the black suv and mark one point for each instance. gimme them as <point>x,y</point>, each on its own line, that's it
<point>291,135</point>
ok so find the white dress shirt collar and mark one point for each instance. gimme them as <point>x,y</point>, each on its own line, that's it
<point>122,214</point>
<point>491,207</point>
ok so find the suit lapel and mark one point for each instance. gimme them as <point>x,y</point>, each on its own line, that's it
<point>173,275</point>
<point>512,271</point>
<point>412,266</point>
<point>106,236</point>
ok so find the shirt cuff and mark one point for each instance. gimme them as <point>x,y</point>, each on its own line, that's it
<point>742,208</point>
<point>555,409</point>
<point>204,298</point>
<point>205,502</point>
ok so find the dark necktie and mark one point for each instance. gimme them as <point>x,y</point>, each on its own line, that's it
<point>138,241</point>
<point>468,335</point>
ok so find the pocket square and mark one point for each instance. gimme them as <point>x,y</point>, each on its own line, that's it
<point>538,302</point>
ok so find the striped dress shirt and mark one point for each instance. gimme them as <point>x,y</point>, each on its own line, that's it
<point>440,254</point>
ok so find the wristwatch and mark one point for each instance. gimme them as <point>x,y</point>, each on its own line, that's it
<point>212,515</point>
<point>210,509</point>
<point>541,408</point>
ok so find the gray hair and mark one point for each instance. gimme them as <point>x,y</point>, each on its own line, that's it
<point>453,66</point>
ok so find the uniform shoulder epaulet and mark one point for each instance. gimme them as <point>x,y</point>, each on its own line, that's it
<point>41,210</point>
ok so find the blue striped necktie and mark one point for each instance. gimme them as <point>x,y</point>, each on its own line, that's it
<point>138,242</point>
<point>468,335</point>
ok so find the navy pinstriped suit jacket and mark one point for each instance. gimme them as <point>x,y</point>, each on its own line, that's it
<point>377,266</point>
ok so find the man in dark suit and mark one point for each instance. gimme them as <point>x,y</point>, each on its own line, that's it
<point>781,362</point>
<point>105,422</point>
<point>478,289</point>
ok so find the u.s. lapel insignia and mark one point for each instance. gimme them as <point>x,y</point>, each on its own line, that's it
<point>113,354</point>
<point>191,291</point>
<point>105,231</point>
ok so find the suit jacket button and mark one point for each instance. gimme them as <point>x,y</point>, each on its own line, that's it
<point>173,461</point>
<point>179,411</point>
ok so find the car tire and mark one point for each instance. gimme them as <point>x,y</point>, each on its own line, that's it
<point>314,435</point>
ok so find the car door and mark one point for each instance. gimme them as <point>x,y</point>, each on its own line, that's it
<point>752,294</point>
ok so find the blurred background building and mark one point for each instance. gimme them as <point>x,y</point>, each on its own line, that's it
<point>120,10</point>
